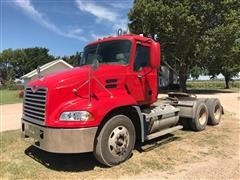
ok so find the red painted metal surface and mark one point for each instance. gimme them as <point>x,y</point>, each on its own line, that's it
<point>132,88</point>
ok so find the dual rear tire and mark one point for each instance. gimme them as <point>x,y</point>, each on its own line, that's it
<point>200,116</point>
<point>215,111</point>
<point>208,111</point>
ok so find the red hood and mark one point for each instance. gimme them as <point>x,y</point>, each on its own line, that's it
<point>78,75</point>
<point>70,89</point>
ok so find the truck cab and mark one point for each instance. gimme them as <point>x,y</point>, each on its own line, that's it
<point>106,104</point>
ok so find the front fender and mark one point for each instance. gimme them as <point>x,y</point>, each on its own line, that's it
<point>99,108</point>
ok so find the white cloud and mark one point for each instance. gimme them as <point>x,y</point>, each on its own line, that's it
<point>97,36</point>
<point>37,16</point>
<point>122,5</point>
<point>76,31</point>
<point>121,23</point>
<point>101,12</point>
<point>111,14</point>
<point>75,34</point>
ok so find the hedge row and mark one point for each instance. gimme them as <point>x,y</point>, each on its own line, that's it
<point>212,84</point>
<point>10,85</point>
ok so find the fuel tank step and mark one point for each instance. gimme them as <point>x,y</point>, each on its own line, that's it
<point>163,132</point>
<point>161,112</point>
<point>160,118</point>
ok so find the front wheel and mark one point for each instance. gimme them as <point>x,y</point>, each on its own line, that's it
<point>115,141</point>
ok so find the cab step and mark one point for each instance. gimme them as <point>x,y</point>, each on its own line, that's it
<point>163,132</point>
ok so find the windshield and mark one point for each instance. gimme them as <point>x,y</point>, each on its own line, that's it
<point>109,52</point>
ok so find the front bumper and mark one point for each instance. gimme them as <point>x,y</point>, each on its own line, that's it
<point>60,140</point>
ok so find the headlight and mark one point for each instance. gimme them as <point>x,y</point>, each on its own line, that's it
<point>76,116</point>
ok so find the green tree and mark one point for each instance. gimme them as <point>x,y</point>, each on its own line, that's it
<point>36,57</point>
<point>6,65</point>
<point>180,26</point>
<point>15,63</point>
<point>195,72</point>
<point>220,49</point>
<point>74,60</point>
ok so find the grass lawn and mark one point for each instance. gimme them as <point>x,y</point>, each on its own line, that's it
<point>163,157</point>
<point>9,97</point>
<point>213,84</point>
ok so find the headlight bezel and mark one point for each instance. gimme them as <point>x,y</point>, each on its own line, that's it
<point>75,116</point>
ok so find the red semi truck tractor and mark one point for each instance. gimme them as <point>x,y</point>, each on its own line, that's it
<point>109,103</point>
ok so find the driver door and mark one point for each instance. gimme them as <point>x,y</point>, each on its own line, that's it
<point>144,78</point>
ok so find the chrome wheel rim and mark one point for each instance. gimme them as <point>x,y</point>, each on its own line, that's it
<point>118,141</point>
<point>202,116</point>
<point>217,112</point>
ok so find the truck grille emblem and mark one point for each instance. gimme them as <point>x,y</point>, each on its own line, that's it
<point>34,89</point>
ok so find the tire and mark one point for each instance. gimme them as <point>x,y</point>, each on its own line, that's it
<point>115,141</point>
<point>215,111</point>
<point>185,123</point>
<point>200,116</point>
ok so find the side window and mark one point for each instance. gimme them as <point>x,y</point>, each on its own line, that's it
<point>142,57</point>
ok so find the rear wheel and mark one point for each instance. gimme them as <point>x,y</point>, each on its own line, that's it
<point>185,123</point>
<point>214,111</point>
<point>200,117</point>
<point>115,141</point>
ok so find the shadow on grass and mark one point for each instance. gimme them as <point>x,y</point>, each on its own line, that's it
<point>86,161</point>
<point>63,162</point>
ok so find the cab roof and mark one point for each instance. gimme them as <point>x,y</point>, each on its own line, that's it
<point>122,37</point>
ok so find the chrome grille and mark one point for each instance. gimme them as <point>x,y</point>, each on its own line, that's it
<point>35,105</point>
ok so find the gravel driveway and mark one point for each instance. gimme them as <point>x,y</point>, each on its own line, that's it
<point>10,116</point>
<point>230,102</point>
<point>213,153</point>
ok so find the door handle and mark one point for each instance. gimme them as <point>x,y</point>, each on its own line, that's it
<point>141,76</point>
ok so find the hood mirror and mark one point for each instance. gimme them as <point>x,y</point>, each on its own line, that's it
<point>80,58</point>
<point>95,64</point>
<point>39,72</point>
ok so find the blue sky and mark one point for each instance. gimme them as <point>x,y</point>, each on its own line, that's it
<point>62,26</point>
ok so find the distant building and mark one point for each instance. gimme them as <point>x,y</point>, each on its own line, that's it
<point>19,81</point>
<point>51,67</point>
<point>168,77</point>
